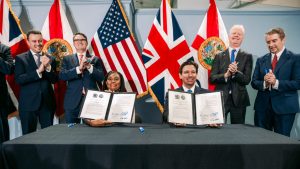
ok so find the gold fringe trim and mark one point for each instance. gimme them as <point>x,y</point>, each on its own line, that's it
<point>125,17</point>
<point>17,19</point>
<point>160,107</point>
<point>142,94</point>
<point>127,23</point>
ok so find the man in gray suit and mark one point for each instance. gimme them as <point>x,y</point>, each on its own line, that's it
<point>231,72</point>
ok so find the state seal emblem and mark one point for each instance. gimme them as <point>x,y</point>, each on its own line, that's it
<point>58,48</point>
<point>208,50</point>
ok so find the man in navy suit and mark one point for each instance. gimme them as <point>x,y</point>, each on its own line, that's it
<point>188,74</point>
<point>6,67</point>
<point>35,73</point>
<point>277,79</point>
<point>82,72</point>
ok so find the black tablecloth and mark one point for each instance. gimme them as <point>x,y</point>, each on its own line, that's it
<point>158,147</point>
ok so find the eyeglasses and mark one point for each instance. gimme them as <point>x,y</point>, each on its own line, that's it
<point>81,40</point>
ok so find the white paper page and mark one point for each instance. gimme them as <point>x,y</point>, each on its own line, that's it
<point>180,107</point>
<point>121,108</point>
<point>95,105</point>
<point>209,108</point>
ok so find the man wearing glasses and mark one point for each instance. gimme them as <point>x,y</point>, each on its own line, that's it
<point>82,72</point>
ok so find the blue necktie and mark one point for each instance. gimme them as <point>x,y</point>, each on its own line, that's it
<point>189,91</point>
<point>232,58</point>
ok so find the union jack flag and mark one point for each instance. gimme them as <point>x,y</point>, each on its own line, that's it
<point>115,45</point>
<point>12,36</point>
<point>164,51</point>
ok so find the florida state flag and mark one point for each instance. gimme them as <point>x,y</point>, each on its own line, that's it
<point>58,36</point>
<point>211,39</point>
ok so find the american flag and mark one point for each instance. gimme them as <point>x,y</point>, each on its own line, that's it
<point>12,36</point>
<point>164,51</point>
<point>115,45</point>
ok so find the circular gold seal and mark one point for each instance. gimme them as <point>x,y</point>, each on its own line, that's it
<point>209,49</point>
<point>58,48</point>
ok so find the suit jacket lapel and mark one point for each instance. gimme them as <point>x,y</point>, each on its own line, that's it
<point>31,59</point>
<point>226,58</point>
<point>75,60</point>
<point>283,58</point>
<point>239,56</point>
<point>267,61</point>
<point>197,90</point>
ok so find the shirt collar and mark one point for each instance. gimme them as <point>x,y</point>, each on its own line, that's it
<point>34,54</point>
<point>236,49</point>
<point>279,53</point>
<point>186,89</point>
<point>83,54</point>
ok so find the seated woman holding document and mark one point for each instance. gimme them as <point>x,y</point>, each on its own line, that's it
<point>113,82</point>
<point>188,74</point>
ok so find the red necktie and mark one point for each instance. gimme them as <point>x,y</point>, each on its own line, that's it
<point>274,62</point>
<point>80,58</point>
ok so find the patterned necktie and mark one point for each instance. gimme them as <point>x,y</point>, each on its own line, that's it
<point>274,62</point>
<point>38,60</point>
<point>80,58</point>
<point>232,57</point>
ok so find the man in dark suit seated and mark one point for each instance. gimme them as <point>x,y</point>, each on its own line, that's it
<point>35,73</point>
<point>82,72</point>
<point>188,74</point>
<point>277,78</point>
<point>6,67</point>
<point>231,72</point>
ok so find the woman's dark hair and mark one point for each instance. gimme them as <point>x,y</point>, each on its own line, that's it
<point>122,82</point>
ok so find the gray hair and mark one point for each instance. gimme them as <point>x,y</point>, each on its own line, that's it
<point>241,27</point>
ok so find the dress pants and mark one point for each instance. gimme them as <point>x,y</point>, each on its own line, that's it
<point>237,114</point>
<point>71,116</point>
<point>280,123</point>
<point>4,128</point>
<point>29,118</point>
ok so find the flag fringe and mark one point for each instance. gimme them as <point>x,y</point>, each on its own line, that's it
<point>16,19</point>
<point>125,17</point>
<point>142,94</point>
<point>133,37</point>
<point>160,107</point>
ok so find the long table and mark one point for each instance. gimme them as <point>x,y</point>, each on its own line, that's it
<point>158,147</point>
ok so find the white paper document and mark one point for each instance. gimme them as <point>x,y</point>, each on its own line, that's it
<point>209,108</point>
<point>195,109</point>
<point>95,105</point>
<point>114,107</point>
<point>180,107</point>
<point>121,108</point>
